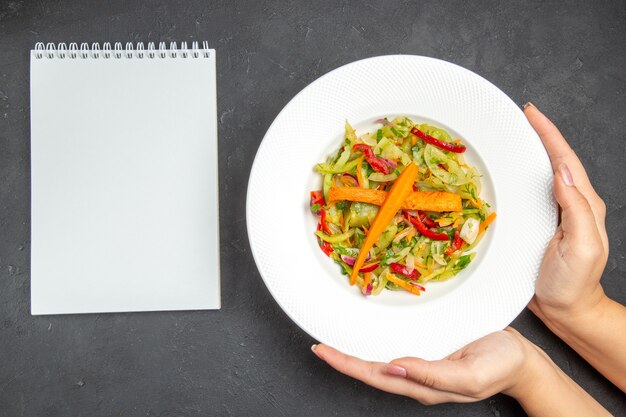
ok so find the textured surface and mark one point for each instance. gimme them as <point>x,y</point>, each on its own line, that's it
<point>249,358</point>
<point>485,297</point>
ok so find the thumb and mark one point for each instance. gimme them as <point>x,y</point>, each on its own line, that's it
<point>577,219</point>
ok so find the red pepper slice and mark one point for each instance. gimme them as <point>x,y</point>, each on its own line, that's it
<point>438,143</point>
<point>424,230</point>
<point>427,220</point>
<point>326,248</point>
<point>378,166</point>
<point>369,268</point>
<point>403,270</point>
<point>323,223</point>
<point>415,188</point>
<point>366,149</point>
<point>376,163</point>
<point>317,198</point>
<point>457,242</point>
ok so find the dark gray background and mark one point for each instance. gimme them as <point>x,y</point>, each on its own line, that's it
<point>249,359</point>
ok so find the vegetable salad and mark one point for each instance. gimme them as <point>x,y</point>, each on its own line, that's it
<point>427,231</point>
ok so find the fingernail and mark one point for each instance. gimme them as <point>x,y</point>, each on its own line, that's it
<point>527,105</point>
<point>566,175</point>
<point>313,347</point>
<point>395,370</point>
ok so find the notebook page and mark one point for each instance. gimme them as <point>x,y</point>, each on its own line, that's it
<point>124,184</point>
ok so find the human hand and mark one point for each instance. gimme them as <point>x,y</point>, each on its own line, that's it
<point>569,278</point>
<point>503,361</point>
<point>499,362</point>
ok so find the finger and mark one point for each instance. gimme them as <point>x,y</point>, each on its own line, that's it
<point>386,377</point>
<point>443,375</point>
<point>513,331</point>
<point>557,147</point>
<point>560,152</point>
<point>577,220</point>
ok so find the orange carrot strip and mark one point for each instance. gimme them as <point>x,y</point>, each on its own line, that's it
<point>367,278</point>
<point>409,236</point>
<point>457,221</point>
<point>415,200</point>
<point>433,201</point>
<point>359,174</point>
<point>329,204</point>
<point>487,222</point>
<point>403,284</point>
<point>420,265</point>
<point>390,206</point>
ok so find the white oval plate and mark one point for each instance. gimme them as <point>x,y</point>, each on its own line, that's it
<point>517,181</point>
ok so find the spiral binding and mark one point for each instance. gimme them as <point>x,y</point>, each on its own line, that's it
<point>117,51</point>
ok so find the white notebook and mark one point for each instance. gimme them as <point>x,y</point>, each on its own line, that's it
<point>124,178</point>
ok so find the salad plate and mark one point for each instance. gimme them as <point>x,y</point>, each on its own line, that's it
<point>516,180</point>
